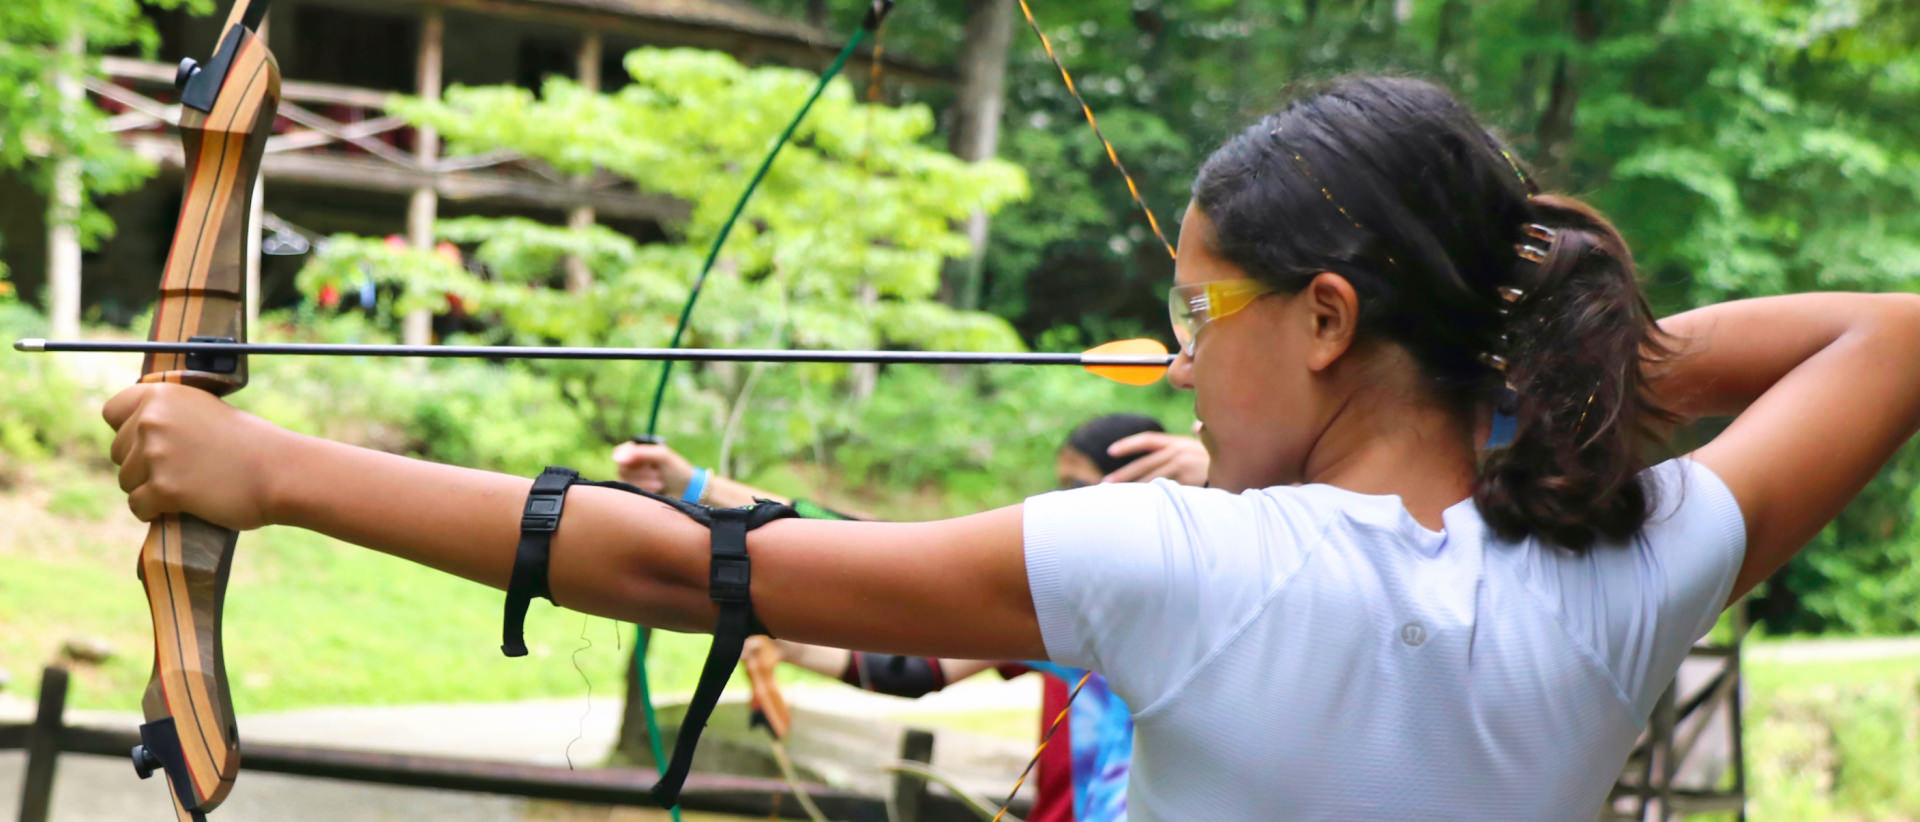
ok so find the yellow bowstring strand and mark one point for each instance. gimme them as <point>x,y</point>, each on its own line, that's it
<point>873,68</point>
<point>1133,189</point>
<point>1044,739</point>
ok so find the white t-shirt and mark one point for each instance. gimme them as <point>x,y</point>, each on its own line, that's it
<point>1307,652</point>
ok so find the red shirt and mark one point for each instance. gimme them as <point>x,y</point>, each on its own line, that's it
<point>1053,775</point>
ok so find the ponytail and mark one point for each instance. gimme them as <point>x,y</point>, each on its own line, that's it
<point>1576,339</point>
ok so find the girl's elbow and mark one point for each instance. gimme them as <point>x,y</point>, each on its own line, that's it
<point>649,593</point>
<point>1897,320</point>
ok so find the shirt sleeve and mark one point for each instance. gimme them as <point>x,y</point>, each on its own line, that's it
<point>1702,538</point>
<point>1642,606</point>
<point>1141,581</point>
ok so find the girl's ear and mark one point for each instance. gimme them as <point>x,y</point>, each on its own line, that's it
<point>1334,311</point>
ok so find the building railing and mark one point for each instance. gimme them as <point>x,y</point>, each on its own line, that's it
<point>345,137</point>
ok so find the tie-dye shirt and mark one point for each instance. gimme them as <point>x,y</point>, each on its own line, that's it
<point>1101,744</point>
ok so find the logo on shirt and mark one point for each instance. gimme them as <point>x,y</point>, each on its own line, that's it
<point>1414,634</point>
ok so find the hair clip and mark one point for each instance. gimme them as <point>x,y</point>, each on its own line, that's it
<point>1510,293</point>
<point>1493,361</point>
<point>1532,254</point>
<point>1540,232</point>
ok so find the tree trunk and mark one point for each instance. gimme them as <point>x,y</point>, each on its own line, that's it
<point>976,128</point>
<point>1554,133</point>
<point>63,212</point>
<point>424,204</point>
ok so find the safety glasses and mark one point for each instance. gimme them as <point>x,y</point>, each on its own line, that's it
<point>1191,307</point>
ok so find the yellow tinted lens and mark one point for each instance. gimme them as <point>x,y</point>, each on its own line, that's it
<point>1226,297</point>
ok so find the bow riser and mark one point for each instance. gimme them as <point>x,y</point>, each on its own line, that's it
<point>227,114</point>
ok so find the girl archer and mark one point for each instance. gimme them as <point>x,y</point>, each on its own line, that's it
<point>1364,616</point>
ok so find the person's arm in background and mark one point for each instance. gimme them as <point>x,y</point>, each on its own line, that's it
<point>892,674</point>
<point>1181,459</point>
<point>661,470</point>
<point>1825,388</point>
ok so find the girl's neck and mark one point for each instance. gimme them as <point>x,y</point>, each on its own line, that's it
<point>1415,451</point>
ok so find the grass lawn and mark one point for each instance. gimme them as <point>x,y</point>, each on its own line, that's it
<point>308,621</point>
<point>1834,739</point>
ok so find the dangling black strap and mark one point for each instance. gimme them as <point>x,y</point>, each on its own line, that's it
<point>538,521</point>
<point>730,584</point>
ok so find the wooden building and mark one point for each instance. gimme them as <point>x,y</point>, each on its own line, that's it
<point>339,162</point>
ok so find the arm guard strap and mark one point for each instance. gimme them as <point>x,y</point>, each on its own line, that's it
<point>729,584</point>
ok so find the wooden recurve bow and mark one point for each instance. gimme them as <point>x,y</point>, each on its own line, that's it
<point>227,110</point>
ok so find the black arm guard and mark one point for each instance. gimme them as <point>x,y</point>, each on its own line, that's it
<point>729,583</point>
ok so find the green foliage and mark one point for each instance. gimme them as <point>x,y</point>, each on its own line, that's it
<point>1001,449</point>
<point>840,248</point>
<point>90,502</point>
<point>1859,574</point>
<point>855,200</point>
<point>478,414</point>
<point>39,420</point>
<point>1833,739</point>
<point>41,125</point>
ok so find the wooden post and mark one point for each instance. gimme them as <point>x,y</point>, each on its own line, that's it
<point>63,213</point>
<point>1661,765</point>
<point>910,790</point>
<point>581,216</point>
<point>43,747</point>
<point>1735,717</point>
<point>423,207</point>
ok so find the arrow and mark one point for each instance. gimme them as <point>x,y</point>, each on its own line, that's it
<point>1132,362</point>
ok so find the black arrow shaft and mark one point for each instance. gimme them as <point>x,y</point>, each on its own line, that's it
<point>539,352</point>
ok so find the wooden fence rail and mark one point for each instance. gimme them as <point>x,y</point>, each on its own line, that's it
<point>48,736</point>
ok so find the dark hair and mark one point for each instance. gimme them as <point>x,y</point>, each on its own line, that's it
<point>1391,183</point>
<point>1095,436</point>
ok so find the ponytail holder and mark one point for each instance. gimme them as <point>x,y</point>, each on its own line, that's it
<point>1533,253</point>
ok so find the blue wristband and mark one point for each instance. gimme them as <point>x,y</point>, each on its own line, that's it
<point>696,487</point>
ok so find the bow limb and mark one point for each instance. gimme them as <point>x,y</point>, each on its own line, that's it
<point>227,112</point>
<point>768,704</point>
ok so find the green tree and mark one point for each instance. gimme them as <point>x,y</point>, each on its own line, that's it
<point>840,248</point>
<point>39,125</point>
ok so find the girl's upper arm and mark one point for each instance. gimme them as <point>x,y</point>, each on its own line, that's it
<point>1135,580</point>
<point>950,588</point>
<point>1800,452</point>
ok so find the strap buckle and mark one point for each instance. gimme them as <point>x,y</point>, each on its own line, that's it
<point>541,515</point>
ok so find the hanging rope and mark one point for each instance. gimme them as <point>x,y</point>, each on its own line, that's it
<point>1112,156</point>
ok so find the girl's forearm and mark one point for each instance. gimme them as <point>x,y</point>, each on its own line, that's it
<point>819,659</point>
<point>1728,355</point>
<point>616,554</point>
